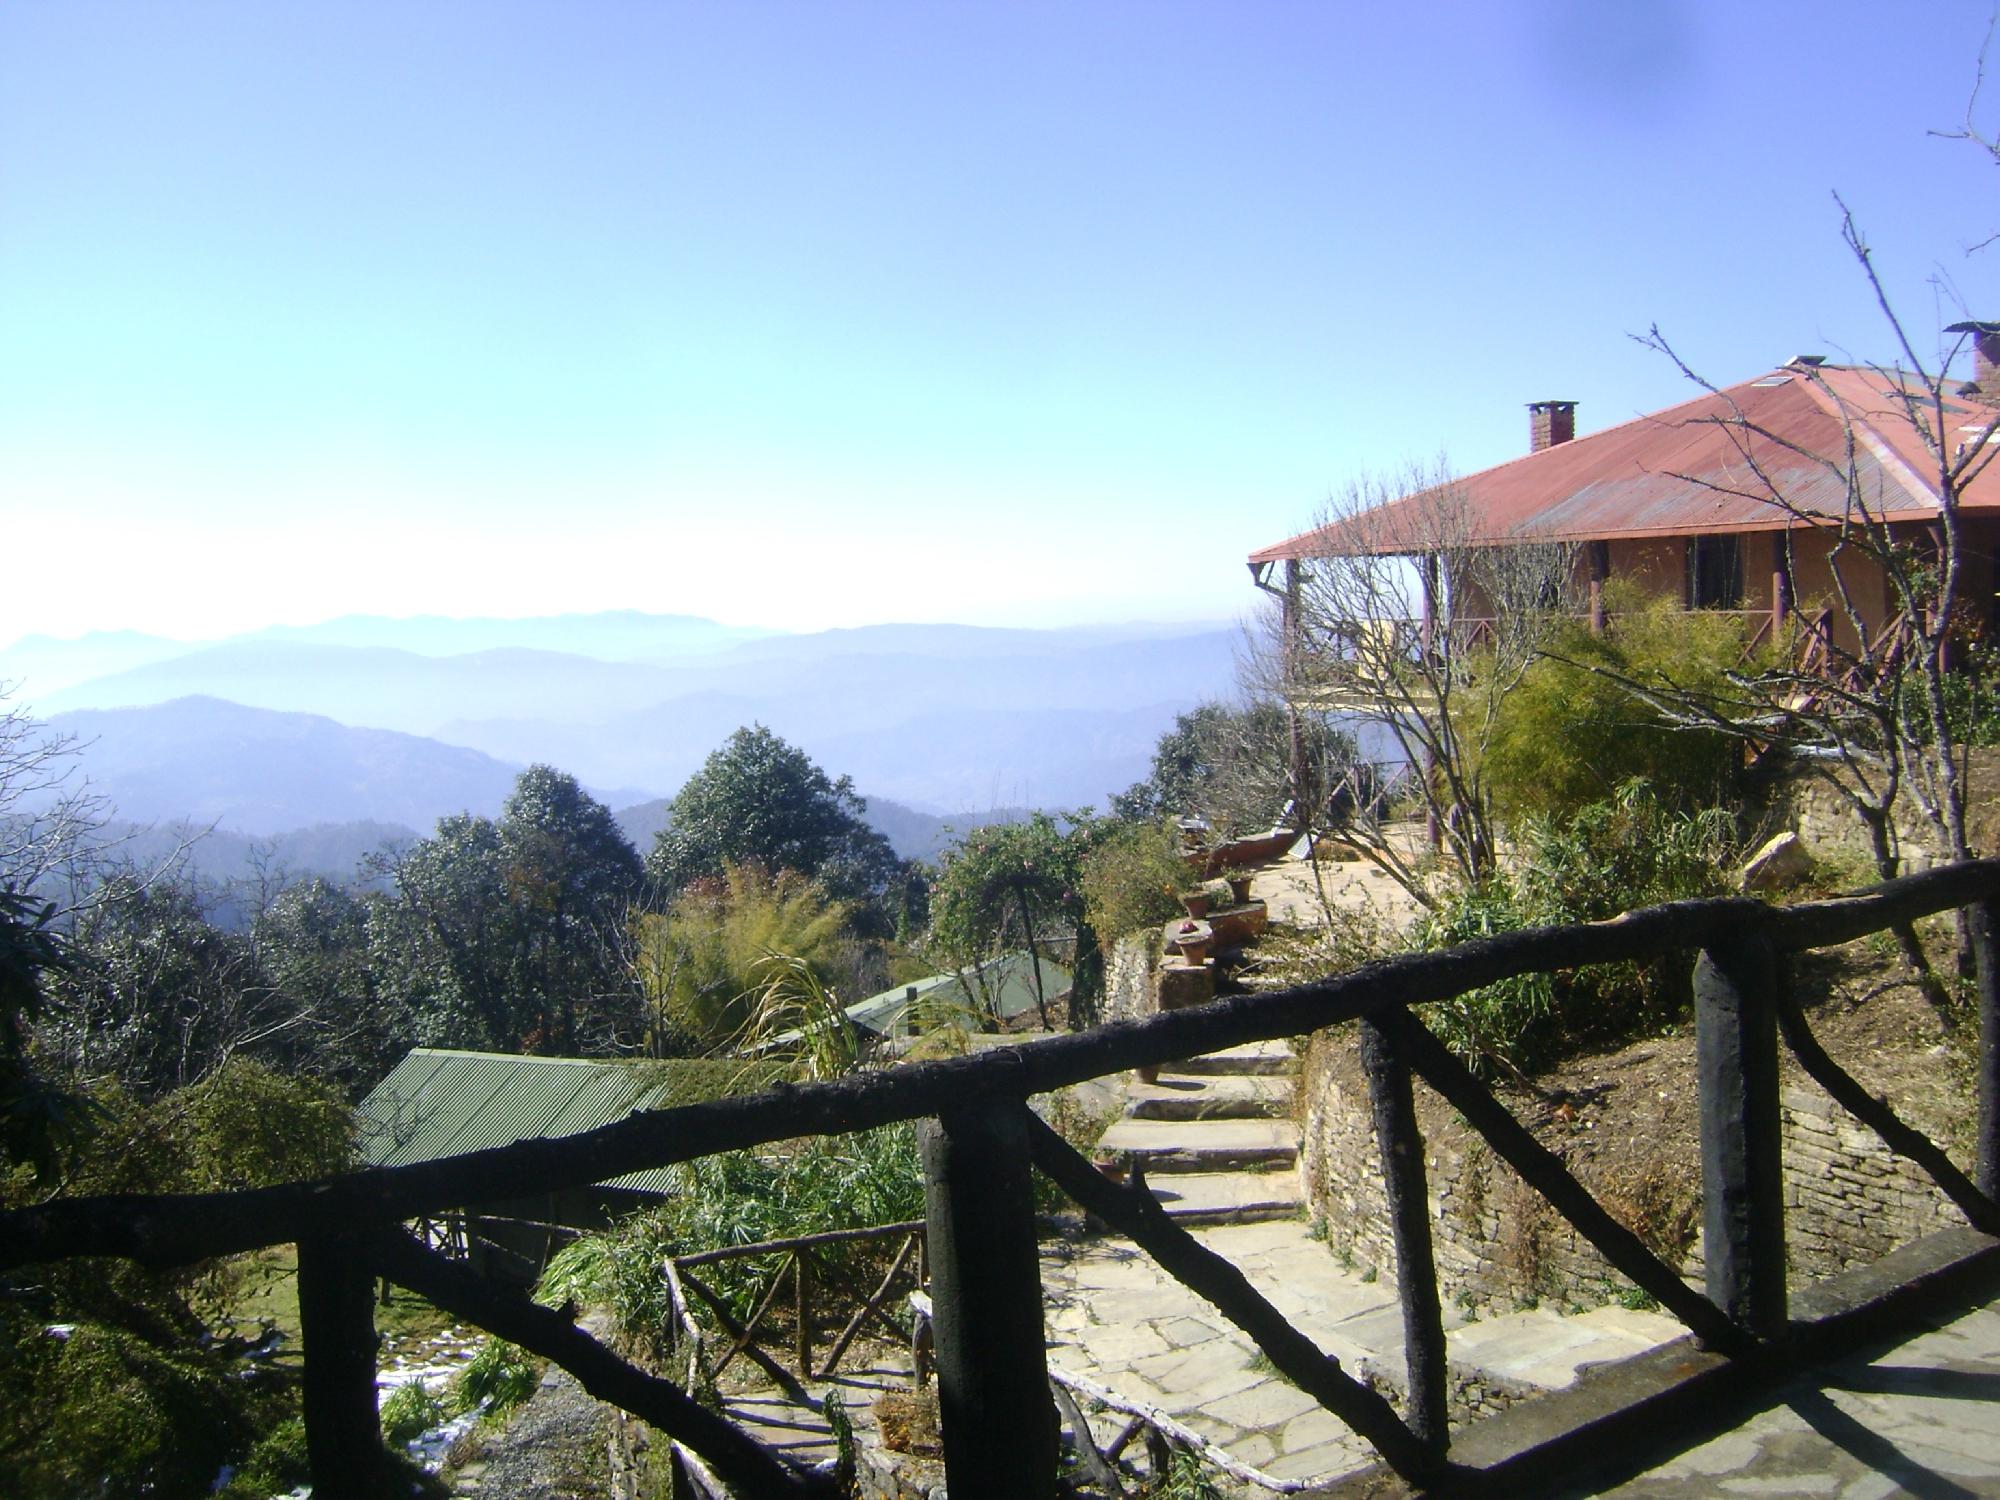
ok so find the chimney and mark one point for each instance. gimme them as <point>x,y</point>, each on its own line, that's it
<point>1549,423</point>
<point>1985,356</point>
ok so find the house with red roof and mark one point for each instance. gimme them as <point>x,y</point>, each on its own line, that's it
<point>1752,497</point>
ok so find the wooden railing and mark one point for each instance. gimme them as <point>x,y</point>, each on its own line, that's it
<point>819,1284</point>
<point>978,1139</point>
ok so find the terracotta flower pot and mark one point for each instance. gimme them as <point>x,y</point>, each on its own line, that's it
<point>1196,903</point>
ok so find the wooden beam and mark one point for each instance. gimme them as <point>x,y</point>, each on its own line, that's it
<point>174,1229</point>
<point>337,1322</point>
<point>998,1420</point>
<point>1402,1147</point>
<point>1736,989</point>
<point>741,1461</point>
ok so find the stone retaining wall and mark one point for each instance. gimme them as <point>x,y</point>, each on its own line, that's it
<point>1848,1201</point>
<point>1497,1243</point>
<point>1128,976</point>
<point>1802,799</point>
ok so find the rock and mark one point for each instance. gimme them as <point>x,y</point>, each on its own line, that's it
<point>1780,863</point>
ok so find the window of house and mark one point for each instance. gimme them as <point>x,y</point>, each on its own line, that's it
<point>1715,572</point>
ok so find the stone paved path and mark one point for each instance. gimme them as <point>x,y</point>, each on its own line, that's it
<point>1220,1151</point>
<point>1215,1136</point>
<point>1922,1419</point>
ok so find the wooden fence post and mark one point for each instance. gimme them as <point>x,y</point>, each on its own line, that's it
<point>1388,1069</point>
<point>1985,925</point>
<point>1736,985</point>
<point>337,1320</point>
<point>802,1310</point>
<point>998,1419</point>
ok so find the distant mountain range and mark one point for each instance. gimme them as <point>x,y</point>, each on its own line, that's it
<point>45,665</point>
<point>256,772</point>
<point>395,722</point>
<point>232,790</point>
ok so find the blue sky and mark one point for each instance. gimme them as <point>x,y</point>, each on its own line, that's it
<point>820,314</point>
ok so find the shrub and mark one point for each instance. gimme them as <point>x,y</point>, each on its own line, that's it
<point>1570,732</point>
<point>497,1378</point>
<point>411,1411</point>
<point>1134,880</point>
<point>1607,858</point>
<point>699,963</point>
<point>104,1412</point>
<point>278,1463</point>
<point>148,1393</point>
<point>741,1198</point>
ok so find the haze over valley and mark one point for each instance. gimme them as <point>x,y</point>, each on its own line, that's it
<point>366,729</point>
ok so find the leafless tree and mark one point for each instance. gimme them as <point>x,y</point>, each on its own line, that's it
<point>55,844</point>
<point>1406,619</point>
<point>1865,699</point>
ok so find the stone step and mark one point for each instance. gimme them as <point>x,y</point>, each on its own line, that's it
<point>1251,1057</point>
<point>1228,1197</point>
<point>1543,1348</point>
<point>1212,1096</point>
<point>1203,1145</point>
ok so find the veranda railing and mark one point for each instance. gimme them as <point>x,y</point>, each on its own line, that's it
<point>979,1138</point>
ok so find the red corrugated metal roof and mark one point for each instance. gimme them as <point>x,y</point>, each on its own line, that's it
<point>1708,465</point>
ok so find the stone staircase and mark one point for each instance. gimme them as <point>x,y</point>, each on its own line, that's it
<point>1214,1136</point>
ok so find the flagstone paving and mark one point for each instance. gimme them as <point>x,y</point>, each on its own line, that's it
<point>1922,1419</point>
<point>1114,1317</point>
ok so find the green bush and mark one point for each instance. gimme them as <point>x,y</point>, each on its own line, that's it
<point>278,1463</point>
<point>497,1378</point>
<point>1134,879</point>
<point>149,1392</point>
<point>1571,732</point>
<point>1608,857</point>
<point>741,1198</point>
<point>411,1411</point>
<point>700,963</point>
<point>1499,1024</point>
<point>104,1412</point>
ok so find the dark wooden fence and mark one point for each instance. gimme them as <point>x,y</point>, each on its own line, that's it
<point>979,1140</point>
<point>821,1286</point>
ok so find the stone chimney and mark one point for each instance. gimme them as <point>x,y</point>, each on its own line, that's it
<point>1549,423</point>
<point>1985,356</point>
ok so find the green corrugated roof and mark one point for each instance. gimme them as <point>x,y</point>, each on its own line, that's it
<point>1008,978</point>
<point>442,1103</point>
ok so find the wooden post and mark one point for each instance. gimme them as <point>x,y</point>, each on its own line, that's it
<point>1388,1069</point>
<point>1427,629</point>
<point>1736,1046</point>
<point>337,1319</point>
<point>1781,584</point>
<point>1985,925</point>
<point>998,1419</point>
<point>1600,569</point>
<point>1295,732</point>
<point>802,1306</point>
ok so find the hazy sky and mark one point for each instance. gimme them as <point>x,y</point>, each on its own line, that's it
<point>822,313</point>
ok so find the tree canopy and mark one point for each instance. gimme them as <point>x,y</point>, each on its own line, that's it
<point>1234,767</point>
<point>506,932</point>
<point>1020,885</point>
<point>758,799</point>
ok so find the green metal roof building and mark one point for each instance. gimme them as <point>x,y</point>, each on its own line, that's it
<point>441,1103</point>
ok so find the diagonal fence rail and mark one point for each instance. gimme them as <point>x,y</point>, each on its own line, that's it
<point>978,1139</point>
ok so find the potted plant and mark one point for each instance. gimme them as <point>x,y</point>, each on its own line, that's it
<point>1238,877</point>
